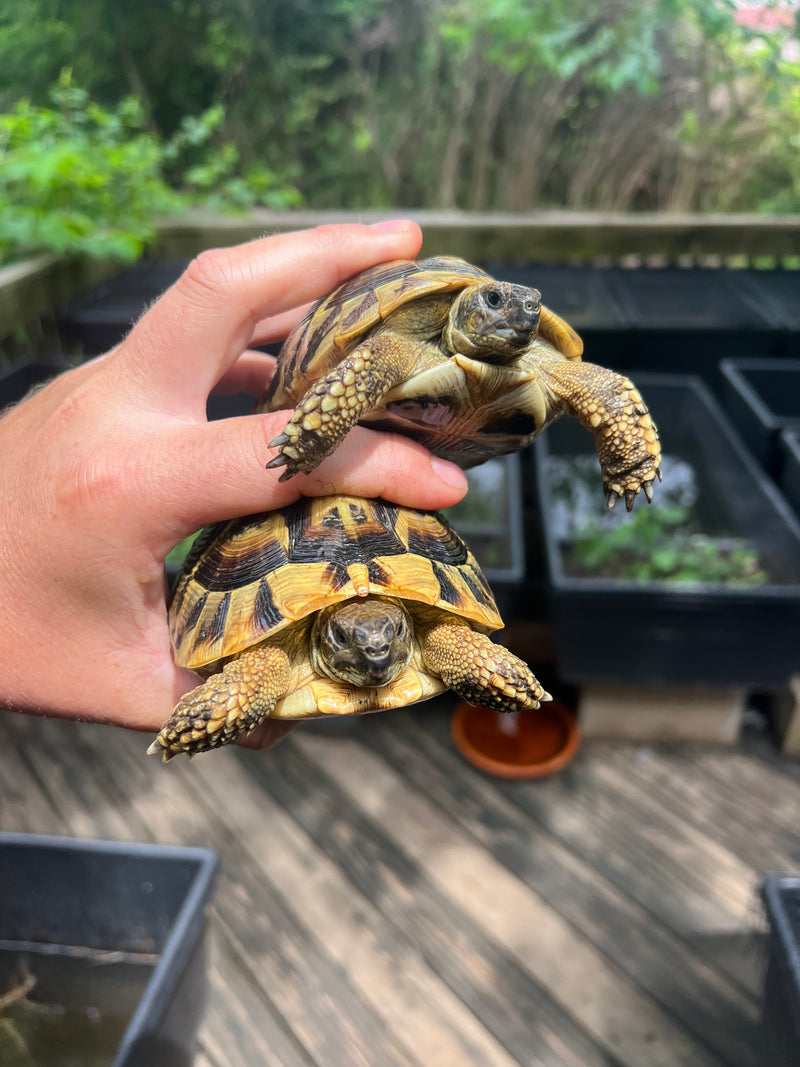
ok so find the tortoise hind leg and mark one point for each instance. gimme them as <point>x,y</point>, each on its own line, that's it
<point>480,671</point>
<point>226,705</point>
<point>333,405</point>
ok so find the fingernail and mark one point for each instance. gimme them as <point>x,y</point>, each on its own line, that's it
<point>391,226</point>
<point>449,473</point>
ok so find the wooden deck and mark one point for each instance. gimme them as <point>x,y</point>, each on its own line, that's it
<point>383,904</point>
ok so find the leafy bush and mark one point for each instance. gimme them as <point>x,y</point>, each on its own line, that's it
<point>77,177</point>
<point>659,545</point>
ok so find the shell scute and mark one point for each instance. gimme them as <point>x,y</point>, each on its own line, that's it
<point>260,575</point>
<point>337,322</point>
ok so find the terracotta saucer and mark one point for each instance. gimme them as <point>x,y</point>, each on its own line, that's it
<point>524,744</point>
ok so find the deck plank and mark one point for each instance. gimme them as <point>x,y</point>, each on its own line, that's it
<point>239,1027</point>
<point>511,1004</point>
<point>712,1008</point>
<point>381,962</point>
<point>313,995</point>
<point>651,855</point>
<point>381,903</point>
<point>629,1025</point>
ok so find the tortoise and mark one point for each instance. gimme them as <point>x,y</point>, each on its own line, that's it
<point>332,605</point>
<point>469,366</point>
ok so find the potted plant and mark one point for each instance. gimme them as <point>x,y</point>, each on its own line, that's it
<point>700,588</point>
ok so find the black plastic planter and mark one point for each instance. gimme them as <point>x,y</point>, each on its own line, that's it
<point>781,1004</point>
<point>100,319</point>
<point>489,519</point>
<point>685,321</point>
<point>17,380</point>
<point>762,397</point>
<point>789,479</point>
<point>581,295</point>
<point>619,631</point>
<point>110,938</point>
<point>778,291</point>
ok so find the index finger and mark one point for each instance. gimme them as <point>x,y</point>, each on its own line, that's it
<point>182,346</point>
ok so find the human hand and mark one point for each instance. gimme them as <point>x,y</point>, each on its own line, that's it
<point>110,465</point>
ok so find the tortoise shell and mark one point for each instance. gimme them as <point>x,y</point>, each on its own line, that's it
<point>248,579</point>
<point>335,324</point>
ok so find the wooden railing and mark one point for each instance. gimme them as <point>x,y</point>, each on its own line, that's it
<point>31,289</point>
<point>543,237</point>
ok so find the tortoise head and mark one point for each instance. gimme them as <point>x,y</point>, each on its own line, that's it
<point>364,642</point>
<point>493,320</point>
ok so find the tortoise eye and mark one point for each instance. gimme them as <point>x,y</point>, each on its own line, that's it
<point>493,298</point>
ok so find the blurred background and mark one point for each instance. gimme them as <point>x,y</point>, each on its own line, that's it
<point>113,113</point>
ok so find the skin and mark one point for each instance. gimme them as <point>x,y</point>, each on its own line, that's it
<point>110,465</point>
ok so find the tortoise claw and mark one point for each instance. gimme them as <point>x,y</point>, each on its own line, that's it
<point>630,499</point>
<point>611,499</point>
<point>648,490</point>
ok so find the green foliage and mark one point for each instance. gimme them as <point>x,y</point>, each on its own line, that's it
<point>478,104</point>
<point>76,177</point>
<point>658,545</point>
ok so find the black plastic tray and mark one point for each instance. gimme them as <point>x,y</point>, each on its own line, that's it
<point>762,398</point>
<point>581,295</point>
<point>99,320</point>
<point>490,521</point>
<point>106,908</point>
<point>789,479</point>
<point>704,634</point>
<point>17,380</point>
<point>685,321</point>
<point>778,291</point>
<point>781,1004</point>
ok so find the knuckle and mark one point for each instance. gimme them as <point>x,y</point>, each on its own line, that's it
<point>86,484</point>
<point>330,237</point>
<point>210,271</point>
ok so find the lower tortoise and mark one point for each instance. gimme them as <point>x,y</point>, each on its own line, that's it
<point>331,606</point>
<point>469,366</point>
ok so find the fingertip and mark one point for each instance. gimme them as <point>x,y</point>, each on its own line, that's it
<point>452,475</point>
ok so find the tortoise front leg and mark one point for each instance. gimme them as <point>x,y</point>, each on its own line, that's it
<point>226,705</point>
<point>333,405</point>
<point>611,408</point>
<point>480,671</point>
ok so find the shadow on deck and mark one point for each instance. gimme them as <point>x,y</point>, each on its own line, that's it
<point>382,903</point>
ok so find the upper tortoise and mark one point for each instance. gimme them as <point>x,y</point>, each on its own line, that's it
<point>331,606</point>
<point>469,366</point>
